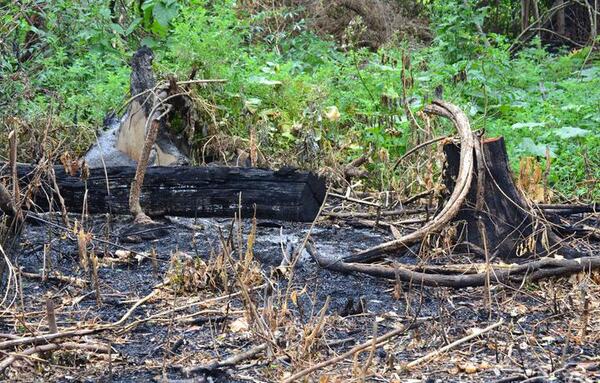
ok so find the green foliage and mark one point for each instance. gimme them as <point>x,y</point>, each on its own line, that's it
<point>455,25</point>
<point>285,80</point>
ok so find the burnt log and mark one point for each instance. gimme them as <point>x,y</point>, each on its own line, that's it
<point>286,194</point>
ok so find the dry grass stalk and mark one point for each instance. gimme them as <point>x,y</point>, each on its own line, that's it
<point>450,346</point>
<point>369,361</point>
<point>83,240</point>
<point>154,260</point>
<point>310,339</point>
<point>13,287</point>
<point>94,264</point>
<point>51,316</point>
<point>379,340</point>
<point>12,160</point>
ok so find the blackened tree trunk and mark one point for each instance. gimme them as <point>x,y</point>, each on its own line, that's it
<point>495,217</point>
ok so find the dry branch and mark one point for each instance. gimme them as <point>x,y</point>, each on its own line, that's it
<point>92,347</point>
<point>35,340</point>
<point>231,361</point>
<point>452,206</point>
<point>377,341</point>
<point>530,271</point>
<point>458,342</point>
<point>56,276</point>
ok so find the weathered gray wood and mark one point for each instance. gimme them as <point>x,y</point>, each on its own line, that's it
<point>191,191</point>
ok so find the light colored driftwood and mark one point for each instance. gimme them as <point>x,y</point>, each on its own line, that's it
<point>453,205</point>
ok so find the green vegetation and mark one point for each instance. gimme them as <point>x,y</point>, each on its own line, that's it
<point>287,81</point>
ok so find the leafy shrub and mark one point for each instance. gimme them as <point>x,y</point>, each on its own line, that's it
<point>287,81</point>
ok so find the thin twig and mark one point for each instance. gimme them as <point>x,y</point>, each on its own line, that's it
<point>458,342</point>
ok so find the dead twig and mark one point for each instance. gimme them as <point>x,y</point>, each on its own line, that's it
<point>377,341</point>
<point>416,148</point>
<point>46,338</point>
<point>450,346</point>
<point>231,361</point>
<point>92,347</point>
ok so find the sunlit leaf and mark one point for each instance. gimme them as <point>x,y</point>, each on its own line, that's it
<point>571,132</point>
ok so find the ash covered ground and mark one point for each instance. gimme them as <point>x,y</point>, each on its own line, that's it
<point>200,317</point>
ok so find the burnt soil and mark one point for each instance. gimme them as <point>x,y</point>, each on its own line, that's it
<point>550,330</point>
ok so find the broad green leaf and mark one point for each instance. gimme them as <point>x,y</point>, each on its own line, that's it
<point>164,13</point>
<point>133,25</point>
<point>520,125</point>
<point>571,132</point>
<point>117,28</point>
<point>530,147</point>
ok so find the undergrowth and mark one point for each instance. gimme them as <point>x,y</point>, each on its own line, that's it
<point>303,92</point>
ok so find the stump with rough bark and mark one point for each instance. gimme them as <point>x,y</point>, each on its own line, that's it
<point>494,217</point>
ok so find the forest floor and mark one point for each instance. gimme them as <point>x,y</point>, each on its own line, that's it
<point>548,331</point>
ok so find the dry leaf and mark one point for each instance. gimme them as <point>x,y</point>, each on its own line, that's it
<point>395,232</point>
<point>332,114</point>
<point>467,367</point>
<point>122,253</point>
<point>239,325</point>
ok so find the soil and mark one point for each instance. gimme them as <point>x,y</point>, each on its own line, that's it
<point>550,330</point>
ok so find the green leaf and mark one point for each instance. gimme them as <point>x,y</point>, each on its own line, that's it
<point>571,132</point>
<point>529,146</point>
<point>163,13</point>
<point>117,28</point>
<point>520,125</point>
<point>133,25</point>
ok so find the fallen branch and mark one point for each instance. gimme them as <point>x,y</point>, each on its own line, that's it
<point>56,276</point>
<point>92,347</point>
<point>39,339</point>
<point>356,200</point>
<point>231,361</point>
<point>567,209</point>
<point>458,342</point>
<point>530,271</point>
<point>385,213</point>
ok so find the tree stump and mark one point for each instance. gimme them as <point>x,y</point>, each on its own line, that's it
<point>494,217</point>
<point>494,220</point>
